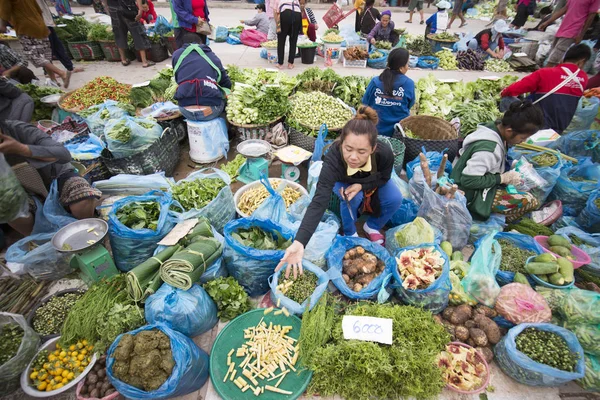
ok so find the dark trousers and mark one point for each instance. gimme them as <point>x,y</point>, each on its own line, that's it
<point>291,23</point>
<point>59,51</point>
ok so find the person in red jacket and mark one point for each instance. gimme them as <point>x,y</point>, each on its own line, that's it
<point>148,14</point>
<point>557,89</point>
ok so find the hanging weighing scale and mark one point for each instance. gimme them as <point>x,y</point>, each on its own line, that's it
<point>255,151</point>
<point>291,157</point>
<point>84,240</point>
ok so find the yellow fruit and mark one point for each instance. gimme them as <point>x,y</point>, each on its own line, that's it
<point>65,373</point>
<point>58,386</point>
<point>72,347</point>
<point>84,363</point>
<point>80,357</point>
<point>62,354</point>
<point>59,371</point>
<point>43,377</point>
<point>52,382</point>
<point>80,345</point>
<point>77,363</point>
<point>33,375</point>
<point>84,342</point>
<point>74,354</point>
<point>58,346</point>
<point>51,357</point>
<point>58,379</point>
<point>90,347</point>
<point>57,364</point>
<point>84,352</point>
<point>49,388</point>
<point>71,375</point>
<point>42,386</point>
<point>47,366</point>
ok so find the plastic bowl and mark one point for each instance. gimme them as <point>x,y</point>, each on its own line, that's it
<point>487,369</point>
<point>581,257</point>
<point>50,345</point>
<point>252,185</point>
<point>547,284</point>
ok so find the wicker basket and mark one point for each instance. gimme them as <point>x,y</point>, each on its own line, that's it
<point>256,131</point>
<point>95,169</point>
<point>301,140</point>
<point>87,51</point>
<point>162,155</point>
<point>158,52</point>
<point>63,98</point>
<point>177,125</point>
<point>110,50</point>
<point>435,135</point>
<point>398,148</point>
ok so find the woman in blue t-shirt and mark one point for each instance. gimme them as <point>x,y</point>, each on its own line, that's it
<point>391,94</point>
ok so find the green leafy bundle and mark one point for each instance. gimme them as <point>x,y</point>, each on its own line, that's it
<point>258,77</point>
<point>120,131</point>
<point>196,194</point>
<point>157,91</point>
<point>251,105</point>
<point>100,32</point>
<point>76,29</point>
<point>119,319</point>
<point>419,46</point>
<point>139,215</point>
<point>41,110</point>
<point>230,297</point>
<point>474,113</point>
<point>259,239</point>
<point>362,370</point>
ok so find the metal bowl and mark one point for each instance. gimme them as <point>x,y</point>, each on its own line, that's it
<point>51,99</point>
<point>79,235</point>
<point>253,148</point>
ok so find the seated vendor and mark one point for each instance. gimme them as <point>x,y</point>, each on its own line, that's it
<point>384,30</point>
<point>490,40</point>
<point>358,170</point>
<point>201,79</point>
<point>21,142</point>
<point>14,103</point>
<point>391,94</point>
<point>260,20</point>
<point>481,171</point>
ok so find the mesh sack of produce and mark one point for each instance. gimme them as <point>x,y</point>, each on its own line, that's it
<point>519,303</point>
<point>36,256</point>
<point>528,372</point>
<point>249,266</point>
<point>434,159</point>
<point>496,222</point>
<point>547,164</point>
<point>573,305</point>
<point>590,243</point>
<point>589,218</point>
<point>219,210</point>
<point>586,112</point>
<point>189,373</point>
<point>480,282</point>
<point>524,242</point>
<point>127,136</point>
<point>11,370</point>
<point>588,336</point>
<point>579,144</point>
<point>14,199</point>
<point>374,289</point>
<point>131,247</point>
<point>433,298</point>
<point>575,185</point>
<point>106,112</point>
<point>191,312</point>
<point>591,380</point>
<point>277,297</point>
<point>413,233</point>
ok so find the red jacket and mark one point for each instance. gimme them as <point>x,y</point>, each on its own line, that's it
<point>151,12</point>
<point>560,106</point>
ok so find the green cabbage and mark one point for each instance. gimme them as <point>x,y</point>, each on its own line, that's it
<point>414,233</point>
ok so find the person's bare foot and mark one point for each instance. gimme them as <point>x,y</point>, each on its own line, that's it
<point>290,66</point>
<point>279,66</point>
<point>78,69</point>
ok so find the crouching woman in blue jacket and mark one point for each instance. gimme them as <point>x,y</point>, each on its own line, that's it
<point>203,82</point>
<point>391,94</point>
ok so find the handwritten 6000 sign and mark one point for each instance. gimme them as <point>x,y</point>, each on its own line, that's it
<point>369,329</point>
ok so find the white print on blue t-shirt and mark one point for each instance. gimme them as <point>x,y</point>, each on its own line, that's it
<point>381,99</point>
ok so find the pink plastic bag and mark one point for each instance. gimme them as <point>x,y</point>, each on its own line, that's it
<point>519,303</point>
<point>252,37</point>
<point>111,396</point>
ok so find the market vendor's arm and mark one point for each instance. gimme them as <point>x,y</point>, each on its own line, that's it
<point>485,45</point>
<point>588,23</point>
<point>476,175</point>
<point>553,18</point>
<point>527,84</point>
<point>11,59</point>
<point>250,22</point>
<point>23,139</point>
<point>373,34</point>
<point>9,90</point>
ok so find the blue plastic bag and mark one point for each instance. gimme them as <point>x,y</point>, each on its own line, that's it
<point>220,210</point>
<point>480,282</point>
<point>208,140</point>
<point>140,137</point>
<point>428,62</point>
<point>434,160</point>
<point>574,194</point>
<point>579,144</point>
<point>406,213</point>
<point>273,208</point>
<point>592,248</point>
<point>189,373</point>
<point>549,174</point>
<point>251,267</point>
<point>589,218</point>
<point>88,150</point>
<point>221,34</point>
<point>131,247</point>
<point>298,309</point>
<point>320,143</point>
<point>586,112</point>
<point>233,39</point>
<point>524,242</point>
<point>528,372</point>
<point>52,216</point>
<point>191,312</point>
<point>335,257</point>
<point>496,222</point>
<point>435,297</point>
<point>391,244</point>
<point>161,27</point>
<point>107,111</point>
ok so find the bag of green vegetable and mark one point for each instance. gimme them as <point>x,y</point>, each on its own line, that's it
<point>189,373</point>
<point>591,380</point>
<point>127,136</point>
<point>496,222</point>
<point>524,370</point>
<point>104,113</point>
<point>132,245</point>
<point>13,197</point>
<point>191,312</point>
<point>18,346</point>
<point>413,233</point>
<point>205,193</point>
<point>480,282</point>
<point>311,291</point>
<point>376,288</point>
<point>573,305</point>
<point>248,264</point>
<point>547,164</point>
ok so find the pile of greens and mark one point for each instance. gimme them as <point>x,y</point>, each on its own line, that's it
<point>100,32</point>
<point>120,131</point>
<point>76,29</point>
<point>438,99</point>
<point>513,257</point>
<point>474,113</point>
<point>11,336</point>
<point>258,77</point>
<point>41,110</point>
<point>230,297</point>
<point>120,318</point>
<point>12,195</point>
<point>259,239</point>
<point>158,90</point>
<point>139,215</point>
<point>350,89</point>
<point>251,105</point>
<point>198,193</point>
<point>419,46</point>
<point>233,167</point>
<point>311,110</point>
<point>357,369</point>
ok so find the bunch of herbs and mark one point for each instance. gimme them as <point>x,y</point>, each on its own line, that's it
<point>198,193</point>
<point>230,297</point>
<point>259,239</point>
<point>139,215</point>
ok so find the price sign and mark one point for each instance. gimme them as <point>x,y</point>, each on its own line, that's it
<point>369,329</point>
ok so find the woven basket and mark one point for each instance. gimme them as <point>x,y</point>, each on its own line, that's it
<point>87,51</point>
<point>158,52</point>
<point>110,50</point>
<point>435,135</point>
<point>172,45</point>
<point>177,125</point>
<point>299,139</point>
<point>398,148</point>
<point>256,131</point>
<point>162,155</point>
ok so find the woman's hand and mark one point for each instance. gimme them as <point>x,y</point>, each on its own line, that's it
<point>293,258</point>
<point>510,178</point>
<point>351,191</point>
<point>373,41</point>
<point>200,20</point>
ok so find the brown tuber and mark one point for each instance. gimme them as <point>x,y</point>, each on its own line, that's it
<point>485,310</point>
<point>447,313</point>
<point>360,267</point>
<point>491,329</point>
<point>487,353</point>
<point>479,337</point>
<point>470,324</point>
<point>461,333</point>
<point>461,314</point>
<point>346,278</point>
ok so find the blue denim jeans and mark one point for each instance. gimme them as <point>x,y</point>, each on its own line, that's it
<point>390,199</point>
<point>198,115</point>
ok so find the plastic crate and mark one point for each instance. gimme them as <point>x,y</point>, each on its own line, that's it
<point>354,64</point>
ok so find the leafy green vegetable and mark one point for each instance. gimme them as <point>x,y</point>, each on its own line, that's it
<point>314,109</point>
<point>231,298</point>
<point>419,46</point>
<point>11,336</point>
<point>100,32</point>
<point>76,29</point>
<point>257,238</point>
<point>474,113</point>
<point>417,232</point>
<point>299,289</point>
<point>198,193</point>
<point>119,319</point>
<point>120,131</point>
<point>13,197</point>
<point>258,77</point>
<point>41,110</point>
<point>251,105</point>
<point>139,215</point>
<point>141,96</point>
<point>233,167</point>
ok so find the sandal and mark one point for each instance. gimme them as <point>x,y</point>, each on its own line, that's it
<point>408,22</point>
<point>377,238</point>
<point>67,79</point>
<point>126,63</point>
<point>422,22</point>
<point>149,64</point>
<point>463,25</point>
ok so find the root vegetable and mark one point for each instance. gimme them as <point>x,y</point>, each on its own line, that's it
<point>447,313</point>
<point>461,314</point>
<point>346,278</point>
<point>461,333</point>
<point>357,287</point>
<point>485,310</point>
<point>95,393</point>
<point>487,353</point>
<point>471,342</point>
<point>470,324</point>
<point>438,319</point>
<point>491,329</point>
<point>365,279</point>
<point>478,337</point>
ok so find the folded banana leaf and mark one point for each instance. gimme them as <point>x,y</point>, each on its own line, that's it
<point>202,229</point>
<point>186,266</point>
<point>139,278</point>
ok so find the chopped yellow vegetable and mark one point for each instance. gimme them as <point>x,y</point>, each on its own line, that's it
<point>277,390</point>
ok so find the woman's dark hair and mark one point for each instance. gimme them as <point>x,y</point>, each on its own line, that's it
<point>363,123</point>
<point>578,52</point>
<point>397,59</point>
<point>523,117</point>
<point>369,3</point>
